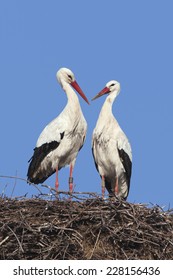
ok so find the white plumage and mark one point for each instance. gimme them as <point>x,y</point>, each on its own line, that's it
<point>111,148</point>
<point>61,140</point>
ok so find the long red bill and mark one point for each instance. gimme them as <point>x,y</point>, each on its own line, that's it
<point>102,92</point>
<point>75,85</point>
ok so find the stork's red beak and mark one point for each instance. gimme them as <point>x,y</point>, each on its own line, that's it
<point>102,92</point>
<point>75,85</point>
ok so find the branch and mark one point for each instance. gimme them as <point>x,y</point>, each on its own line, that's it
<point>21,179</point>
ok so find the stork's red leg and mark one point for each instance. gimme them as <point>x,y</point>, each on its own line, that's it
<point>56,181</point>
<point>71,179</point>
<point>116,186</point>
<point>103,186</point>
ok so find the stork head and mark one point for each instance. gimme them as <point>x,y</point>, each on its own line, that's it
<point>67,76</point>
<point>111,87</point>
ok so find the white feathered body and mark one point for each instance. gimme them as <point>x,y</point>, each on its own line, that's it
<point>107,142</point>
<point>67,132</point>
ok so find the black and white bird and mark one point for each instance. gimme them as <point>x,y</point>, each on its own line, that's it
<point>61,140</point>
<point>111,148</point>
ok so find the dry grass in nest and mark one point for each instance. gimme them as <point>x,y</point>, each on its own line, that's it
<point>89,229</point>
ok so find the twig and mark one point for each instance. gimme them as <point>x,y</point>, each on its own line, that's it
<point>16,239</point>
<point>21,179</point>
<point>95,244</point>
<point>68,193</point>
<point>15,181</point>
<point>5,239</point>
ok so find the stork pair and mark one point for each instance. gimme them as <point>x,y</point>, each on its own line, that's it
<point>61,140</point>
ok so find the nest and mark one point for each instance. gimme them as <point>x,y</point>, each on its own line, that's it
<point>89,229</point>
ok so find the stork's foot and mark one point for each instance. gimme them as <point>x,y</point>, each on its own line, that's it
<point>112,198</point>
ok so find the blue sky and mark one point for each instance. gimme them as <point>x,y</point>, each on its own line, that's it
<point>129,41</point>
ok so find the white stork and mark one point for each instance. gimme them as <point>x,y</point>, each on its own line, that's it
<point>111,148</point>
<point>61,140</point>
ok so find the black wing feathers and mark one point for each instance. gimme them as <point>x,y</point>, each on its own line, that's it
<point>126,163</point>
<point>39,154</point>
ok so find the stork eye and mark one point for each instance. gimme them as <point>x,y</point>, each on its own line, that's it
<point>70,77</point>
<point>112,85</point>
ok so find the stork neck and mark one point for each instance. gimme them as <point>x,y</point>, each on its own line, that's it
<point>72,97</point>
<point>107,106</point>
